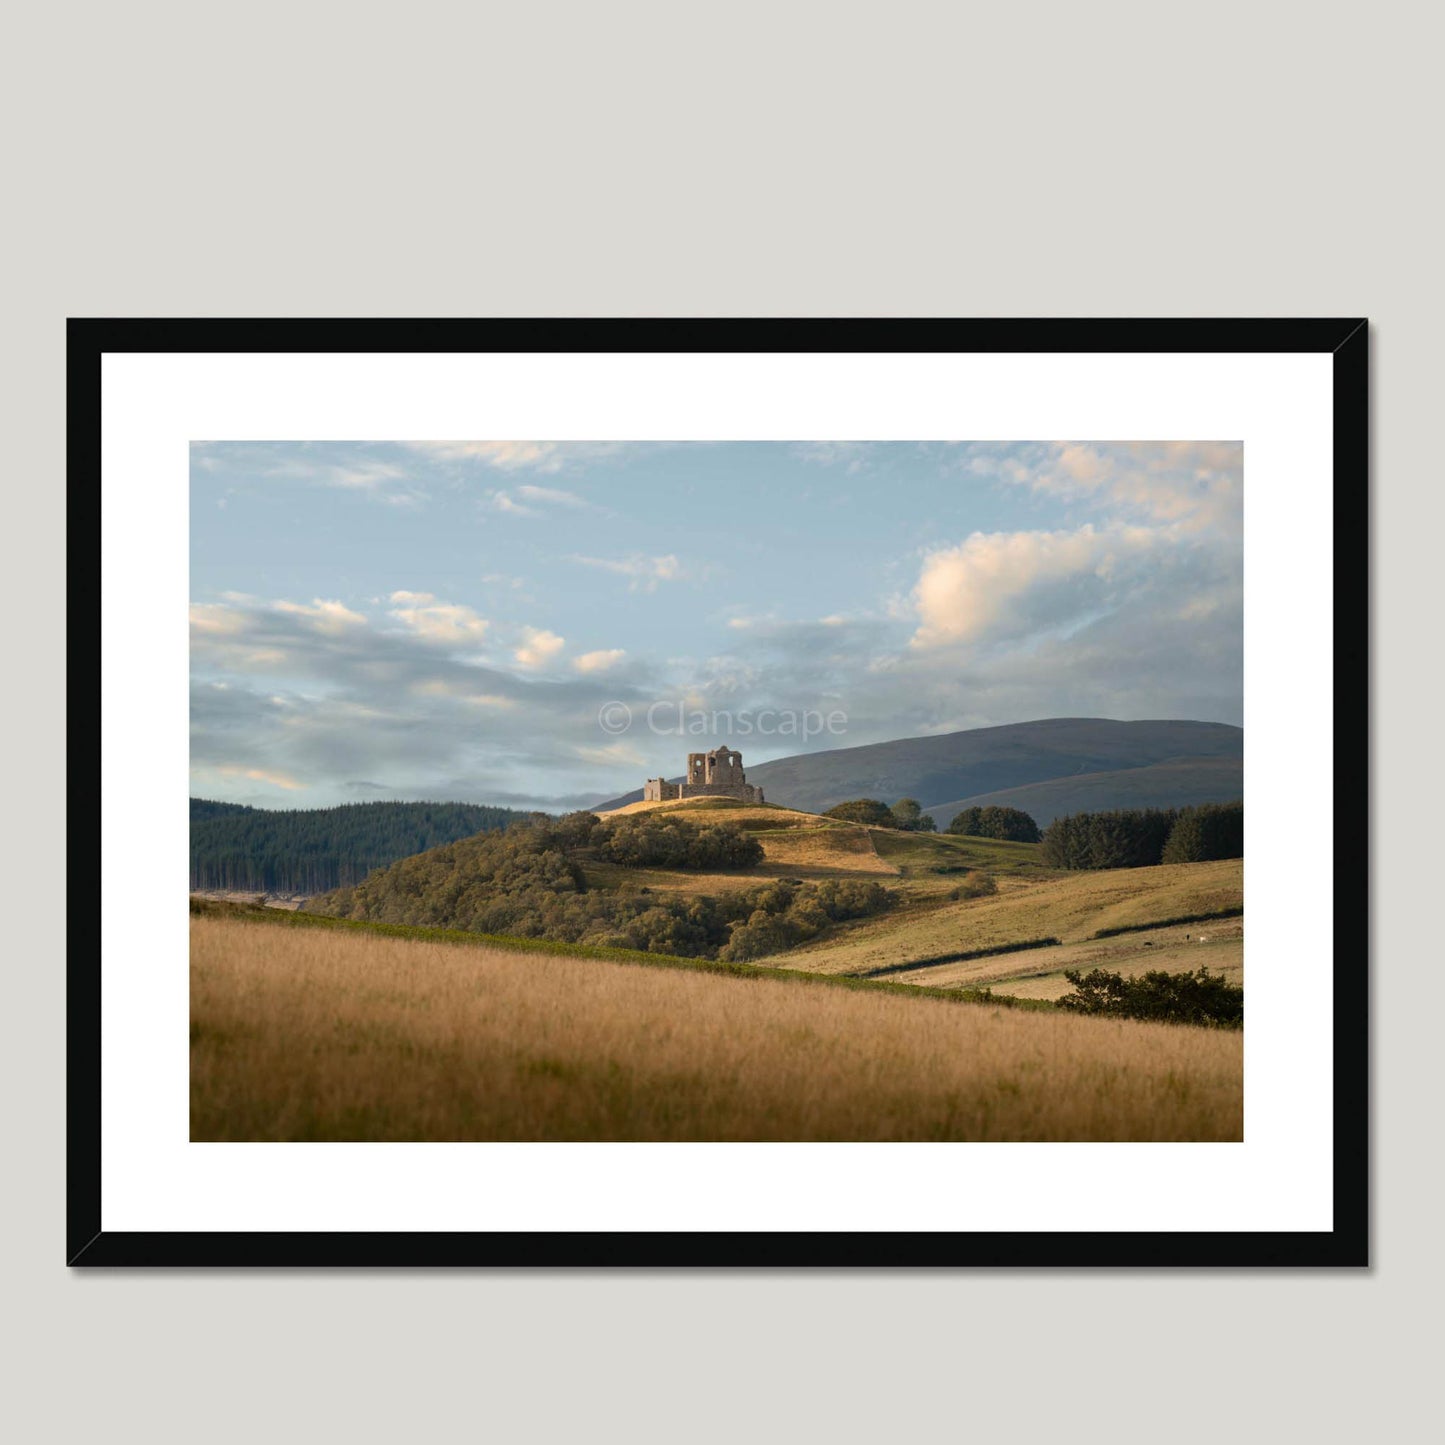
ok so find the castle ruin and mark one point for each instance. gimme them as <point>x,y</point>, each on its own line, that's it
<point>718,774</point>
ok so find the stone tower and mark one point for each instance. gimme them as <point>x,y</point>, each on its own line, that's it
<point>715,774</point>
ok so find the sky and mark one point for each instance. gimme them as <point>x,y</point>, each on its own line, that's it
<point>546,624</point>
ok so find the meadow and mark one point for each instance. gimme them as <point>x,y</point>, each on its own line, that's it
<point>319,1030</point>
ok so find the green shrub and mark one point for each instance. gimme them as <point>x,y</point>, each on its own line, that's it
<point>976,885</point>
<point>666,842</point>
<point>1176,998</point>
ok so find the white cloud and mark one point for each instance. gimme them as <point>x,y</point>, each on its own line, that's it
<point>852,456</point>
<point>554,495</point>
<point>459,691</point>
<point>365,477</point>
<point>611,754</point>
<point>1196,486</point>
<point>504,502</point>
<point>538,647</point>
<point>506,456</point>
<point>600,661</point>
<point>643,573</point>
<point>448,623</point>
<point>328,617</point>
<point>532,501</point>
<point>1009,585</point>
<point>523,456</point>
<point>213,618</point>
<point>383,481</point>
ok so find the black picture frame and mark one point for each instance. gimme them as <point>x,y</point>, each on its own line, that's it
<point>1346,1244</point>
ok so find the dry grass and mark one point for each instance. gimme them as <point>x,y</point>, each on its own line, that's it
<point>317,1035</point>
<point>1067,906</point>
<point>720,810</point>
<point>812,854</point>
<point>1040,974</point>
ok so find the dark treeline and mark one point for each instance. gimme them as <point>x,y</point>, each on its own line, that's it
<point>1215,830</point>
<point>1142,837</point>
<point>207,808</point>
<point>1012,825</point>
<point>1174,998</point>
<point>530,881</point>
<point>311,851</point>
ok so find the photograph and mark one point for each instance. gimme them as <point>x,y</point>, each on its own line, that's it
<point>716,791</point>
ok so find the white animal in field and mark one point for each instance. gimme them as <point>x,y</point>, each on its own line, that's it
<point>1203,938</point>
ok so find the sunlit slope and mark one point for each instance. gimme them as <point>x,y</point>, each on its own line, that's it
<point>1217,945</point>
<point>1071,907</point>
<point>809,847</point>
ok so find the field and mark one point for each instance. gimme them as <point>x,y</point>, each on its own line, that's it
<point>1032,903</point>
<point>340,1033</point>
<point>1069,907</point>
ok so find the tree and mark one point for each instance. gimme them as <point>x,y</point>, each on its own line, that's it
<point>966,822</point>
<point>1178,998</point>
<point>312,850</point>
<point>908,815</point>
<point>1125,838</point>
<point>1012,825</point>
<point>1199,835</point>
<point>863,810</point>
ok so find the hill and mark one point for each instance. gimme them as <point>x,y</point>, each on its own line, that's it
<point>981,762</point>
<point>312,850</point>
<point>825,897</point>
<point>1178,783</point>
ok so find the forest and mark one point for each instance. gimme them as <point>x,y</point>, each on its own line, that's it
<point>315,850</point>
<point>1142,837</point>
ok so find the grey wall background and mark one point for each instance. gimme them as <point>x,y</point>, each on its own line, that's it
<point>815,159</point>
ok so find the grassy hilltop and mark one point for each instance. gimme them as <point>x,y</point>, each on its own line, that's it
<point>922,908</point>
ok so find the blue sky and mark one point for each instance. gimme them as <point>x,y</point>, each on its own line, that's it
<point>447,619</point>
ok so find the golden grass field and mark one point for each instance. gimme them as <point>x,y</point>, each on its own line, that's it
<point>320,1034</point>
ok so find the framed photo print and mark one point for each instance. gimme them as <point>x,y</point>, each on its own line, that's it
<point>719,793</point>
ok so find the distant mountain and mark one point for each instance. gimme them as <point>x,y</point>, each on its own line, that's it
<point>314,850</point>
<point>1181,782</point>
<point>986,761</point>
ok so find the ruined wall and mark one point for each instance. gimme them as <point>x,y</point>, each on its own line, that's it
<point>743,792</point>
<point>715,774</point>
